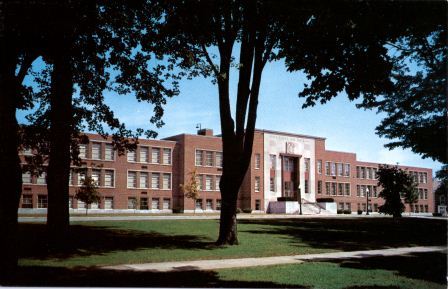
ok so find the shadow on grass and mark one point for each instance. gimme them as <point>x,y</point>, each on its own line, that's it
<point>97,240</point>
<point>93,277</point>
<point>355,233</point>
<point>424,266</point>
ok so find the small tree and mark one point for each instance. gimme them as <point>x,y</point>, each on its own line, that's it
<point>395,183</point>
<point>88,192</point>
<point>191,188</point>
<point>411,196</point>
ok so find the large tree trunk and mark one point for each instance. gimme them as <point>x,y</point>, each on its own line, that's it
<point>11,176</point>
<point>60,138</point>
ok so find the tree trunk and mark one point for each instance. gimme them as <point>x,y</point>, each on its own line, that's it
<point>60,138</point>
<point>228,225</point>
<point>11,176</point>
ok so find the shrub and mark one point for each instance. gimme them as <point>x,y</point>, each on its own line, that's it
<point>238,211</point>
<point>247,210</point>
<point>178,211</point>
<point>348,212</point>
<point>340,211</point>
<point>325,200</point>
<point>359,212</point>
<point>437,214</point>
<point>285,199</point>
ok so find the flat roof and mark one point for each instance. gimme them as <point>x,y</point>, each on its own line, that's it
<point>288,134</point>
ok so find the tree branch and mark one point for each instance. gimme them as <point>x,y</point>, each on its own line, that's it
<point>209,60</point>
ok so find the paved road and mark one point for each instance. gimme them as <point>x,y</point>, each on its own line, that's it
<point>265,261</point>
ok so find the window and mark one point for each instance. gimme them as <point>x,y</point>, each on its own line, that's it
<point>132,157</point>
<point>70,202</point>
<point>307,187</point>
<point>348,206</point>
<point>364,207</point>
<point>143,180</point>
<point>374,173</point>
<point>167,181</point>
<point>319,167</point>
<point>375,192</point>
<point>272,184</point>
<point>26,178</point>
<point>108,203</point>
<point>109,178</point>
<point>96,176</point>
<point>144,203</point>
<point>81,204</point>
<point>198,158</point>
<point>333,169</point>
<point>208,183</point>
<point>333,189</point>
<point>340,169</point>
<point>217,180</point>
<point>347,170</point>
<point>27,201</point>
<point>358,190</point>
<point>327,188</point>
<point>307,164</point>
<point>368,173</point>
<point>155,204</point>
<point>28,151</point>
<point>41,180</point>
<point>363,191</point>
<point>96,151</point>
<point>426,208</point>
<point>257,205</point>
<point>319,187</point>
<point>257,184</point>
<point>81,178</point>
<point>341,206</point>
<point>327,168</point>
<point>257,161</point>
<point>347,189</point>
<point>358,172</point>
<point>94,205</point>
<point>198,204</point>
<point>425,178</point>
<point>421,209</point>
<point>425,192</point>
<point>288,164</point>
<point>420,194</point>
<point>71,180</point>
<point>144,154</point>
<point>42,201</point>
<point>155,180</point>
<point>155,155</point>
<point>209,159</point>
<point>209,204</point>
<point>199,181</point>
<point>109,152</point>
<point>82,151</point>
<point>363,172</point>
<point>132,203</point>
<point>219,159</point>
<point>132,179</point>
<point>218,205</point>
<point>420,177</point>
<point>167,156</point>
<point>166,204</point>
<point>340,189</point>
<point>273,161</point>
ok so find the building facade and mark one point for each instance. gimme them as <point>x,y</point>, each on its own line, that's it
<point>284,168</point>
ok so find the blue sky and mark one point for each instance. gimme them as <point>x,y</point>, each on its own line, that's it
<point>345,127</point>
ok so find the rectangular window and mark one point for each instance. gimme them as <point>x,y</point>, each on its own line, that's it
<point>257,184</point>
<point>333,169</point>
<point>319,167</point>
<point>167,156</point>
<point>208,182</point>
<point>155,204</point>
<point>425,192</point>
<point>199,181</point>
<point>167,181</point>
<point>42,179</point>
<point>81,204</point>
<point>358,172</point>
<point>198,158</point>
<point>132,203</point>
<point>82,151</point>
<point>374,173</point>
<point>426,208</point>
<point>143,180</point>
<point>257,205</point>
<point>375,192</point>
<point>217,180</point>
<point>70,202</point>
<point>420,177</point>
<point>27,151</point>
<point>155,180</point>
<point>109,178</point>
<point>307,187</point>
<point>347,189</point>
<point>340,169</point>
<point>358,190</point>
<point>42,201</point>
<point>144,203</point>
<point>27,201</point>
<point>71,181</point>
<point>307,164</point>
<point>132,179</point>
<point>166,204</point>
<point>425,178</point>
<point>109,152</point>
<point>108,203</point>
<point>96,177</point>
<point>94,206</point>
<point>219,159</point>
<point>209,204</point>
<point>340,189</point>
<point>257,161</point>
<point>81,177</point>
<point>327,168</point>
<point>155,155</point>
<point>132,157</point>
<point>333,189</point>
<point>421,209</point>
<point>96,151</point>
<point>198,204</point>
<point>26,178</point>
<point>364,207</point>
<point>341,206</point>
<point>288,164</point>
<point>319,187</point>
<point>420,194</point>
<point>218,205</point>
<point>144,154</point>
<point>327,188</point>
<point>368,173</point>
<point>363,172</point>
<point>272,184</point>
<point>273,162</point>
<point>347,170</point>
<point>209,159</point>
<point>363,191</point>
<point>348,206</point>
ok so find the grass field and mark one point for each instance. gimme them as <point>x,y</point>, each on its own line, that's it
<point>94,244</point>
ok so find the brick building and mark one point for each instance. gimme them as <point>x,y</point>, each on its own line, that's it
<point>284,167</point>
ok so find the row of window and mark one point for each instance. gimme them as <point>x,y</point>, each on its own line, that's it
<point>208,182</point>
<point>143,203</point>
<point>334,169</point>
<point>153,155</point>
<point>362,190</point>
<point>419,177</point>
<point>97,152</point>
<point>419,208</point>
<point>423,194</point>
<point>138,179</point>
<point>27,178</point>
<point>208,204</point>
<point>101,177</point>
<point>366,172</point>
<point>208,158</point>
<point>334,188</point>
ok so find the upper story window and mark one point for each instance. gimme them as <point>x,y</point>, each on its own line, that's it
<point>42,179</point>
<point>257,161</point>
<point>347,170</point>
<point>340,169</point>
<point>167,156</point>
<point>109,152</point>
<point>143,180</point>
<point>96,151</point>
<point>198,158</point>
<point>327,168</point>
<point>333,169</point>
<point>257,184</point>
<point>155,156</point>
<point>144,154</point>
<point>132,157</point>
<point>288,164</point>
<point>167,181</point>
<point>155,180</point>
<point>208,182</point>
<point>319,167</point>
<point>26,178</point>
<point>307,164</point>
<point>82,151</point>
<point>209,159</point>
<point>109,178</point>
<point>96,176</point>
<point>217,180</point>
<point>273,161</point>
<point>218,157</point>
<point>81,177</point>
<point>132,179</point>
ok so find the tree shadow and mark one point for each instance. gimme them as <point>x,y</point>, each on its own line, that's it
<point>98,240</point>
<point>431,266</point>
<point>351,234</point>
<point>94,277</point>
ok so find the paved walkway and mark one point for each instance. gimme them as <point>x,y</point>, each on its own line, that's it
<point>265,261</point>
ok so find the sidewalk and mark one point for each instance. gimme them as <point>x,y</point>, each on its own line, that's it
<point>266,261</point>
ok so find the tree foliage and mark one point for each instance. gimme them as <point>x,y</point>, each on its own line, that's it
<point>396,183</point>
<point>88,192</point>
<point>442,189</point>
<point>191,188</point>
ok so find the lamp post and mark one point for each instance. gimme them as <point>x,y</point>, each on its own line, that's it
<point>367,201</point>
<point>299,196</point>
